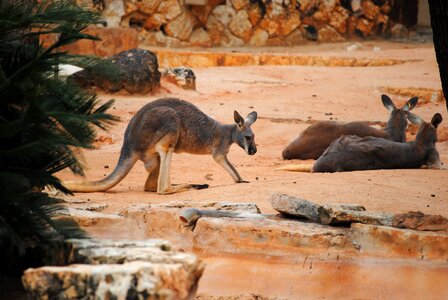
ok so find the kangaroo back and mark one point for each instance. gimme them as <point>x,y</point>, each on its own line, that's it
<point>350,153</point>
<point>317,137</point>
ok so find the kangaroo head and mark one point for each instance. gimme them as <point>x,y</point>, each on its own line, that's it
<point>398,118</point>
<point>427,132</point>
<point>245,138</point>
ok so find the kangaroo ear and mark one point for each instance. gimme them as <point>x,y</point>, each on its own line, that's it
<point>414,119</point>
<point>387,102</point>
<point>251,118</point>
<point>238,119</point>
<point>436,120</point>
<point>410,104</point>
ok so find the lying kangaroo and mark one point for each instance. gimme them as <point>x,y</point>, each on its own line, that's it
<point>316,138</point>
<point>350,153</point>
<point>170,125</point>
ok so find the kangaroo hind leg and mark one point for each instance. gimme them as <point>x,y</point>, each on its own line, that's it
<point>164,185</point>
<point>152,165</point>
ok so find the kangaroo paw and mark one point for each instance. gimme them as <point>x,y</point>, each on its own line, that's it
<point>242,181</point>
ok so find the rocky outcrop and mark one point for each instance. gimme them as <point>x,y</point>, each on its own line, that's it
<point>334,215</point>
<point>243,22</point>
<point>137,72</point>
<point>106,269</point>
<point>295,207</point>
<point>162,221</point>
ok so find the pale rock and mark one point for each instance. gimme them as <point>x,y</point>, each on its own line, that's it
<point>420,221</point>
<point>215,29</point>
<point>339,19</point>
<point>259,38</point>
<point>117,281</point>
<point>329,34</point>
<point>147,6</point>
<point>276,9</point>
<point>369,9</point>
<point>239,4</point>
<point>113,13</point>
<point>182,26</point>
<point>224,14</point>
<point>240,25</point>
<point>200,38</point>
<point>170,9</point>
<point>356,5</point>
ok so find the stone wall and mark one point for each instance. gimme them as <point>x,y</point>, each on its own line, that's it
<point>172,23</point>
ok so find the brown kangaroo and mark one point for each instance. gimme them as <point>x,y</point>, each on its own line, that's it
<point>350,153</point>
<point>170,125</point>
<point>313,141</point>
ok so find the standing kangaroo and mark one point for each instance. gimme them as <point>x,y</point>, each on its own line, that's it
<point>316,138</point>
<point>350,153</point>
<point>170,125</point>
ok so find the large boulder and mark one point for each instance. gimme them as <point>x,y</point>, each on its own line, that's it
<point>138,72</point>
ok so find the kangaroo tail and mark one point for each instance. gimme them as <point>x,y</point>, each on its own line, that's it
<point>124,165</point>
<point>296,168</point>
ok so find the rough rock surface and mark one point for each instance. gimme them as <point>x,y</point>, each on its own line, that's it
<point>339,215</point>
<point>117,269</point>
<point>182,76</point>
<point>138,69</point>
<point>135,280</point>
<point>162,221</point>
<point>420,221</point>
<point>295,207</point>
<point>383,241</point>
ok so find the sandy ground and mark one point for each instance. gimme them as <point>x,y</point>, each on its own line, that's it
<point>285,97</point>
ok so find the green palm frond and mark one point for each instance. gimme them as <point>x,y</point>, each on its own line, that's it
<point>43,118</point>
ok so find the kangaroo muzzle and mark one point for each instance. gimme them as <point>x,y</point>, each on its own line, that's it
<point>251,150</point>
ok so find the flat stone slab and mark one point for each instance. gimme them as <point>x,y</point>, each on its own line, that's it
<point>383,241</point>
<point>283,239</point>
<point>420,221</point>
<point>295,207</point>
<point>134,280</point>
<point>337,215</point>
<point>162,220</point>
<point>102,225</point>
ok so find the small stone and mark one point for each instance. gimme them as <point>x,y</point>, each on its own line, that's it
<point>200,38</point>
<point>215,29</point>
<point>240,25</point>
<point>295,38</point>
<point>182,76</point>
<point>182,26</point>
<point>329,34</point>
<point>364,27</point>
<point>259,38</point>
<point>339,19</point>
<point>399,31</point>
<point>229,40</point>
<point>254,14</point>
<point>224,14</point>
<point>154,22</point>
<point>290,24</point>
<point>270,26</point>
<point>170,9</point>
<point>113,13</point>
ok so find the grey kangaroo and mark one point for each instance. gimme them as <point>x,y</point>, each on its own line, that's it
<point>350,153</point>
<point>316,138</point>
<point>166,126</point>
